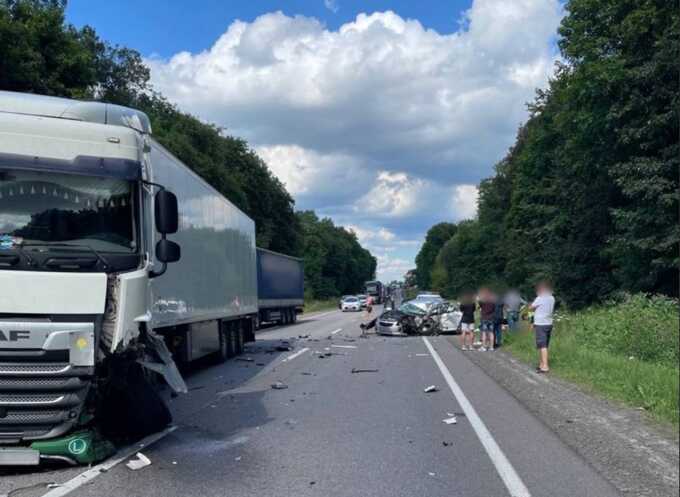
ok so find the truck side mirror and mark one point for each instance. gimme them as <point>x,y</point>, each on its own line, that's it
<point>165,212</point>
<point>167,251</point>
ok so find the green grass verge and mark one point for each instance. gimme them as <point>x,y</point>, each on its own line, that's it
<point>581,353</point>
<point>321,305</point>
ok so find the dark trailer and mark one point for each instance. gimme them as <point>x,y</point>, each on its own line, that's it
<point>280,286</point>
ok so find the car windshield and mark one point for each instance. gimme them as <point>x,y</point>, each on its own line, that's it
<point>50,208</point>
<point>351,299</point>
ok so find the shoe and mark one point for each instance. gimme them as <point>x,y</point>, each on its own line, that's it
<point>482,349</point>
<point>490,349</point>
<point>542,371</point>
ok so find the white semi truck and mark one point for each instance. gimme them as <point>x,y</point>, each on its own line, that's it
<point>115,258</point>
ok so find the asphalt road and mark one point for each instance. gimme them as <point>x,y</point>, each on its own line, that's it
<point>337,433</point>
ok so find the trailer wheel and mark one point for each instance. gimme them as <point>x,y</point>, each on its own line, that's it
<point>238,332</point>
<point>223,352</point>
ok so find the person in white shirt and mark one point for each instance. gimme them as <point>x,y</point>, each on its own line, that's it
<point>543,307</point>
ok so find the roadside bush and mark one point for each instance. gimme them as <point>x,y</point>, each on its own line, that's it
<point>638,326</point>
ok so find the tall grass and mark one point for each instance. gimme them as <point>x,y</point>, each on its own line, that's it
<point>313,305</point>
<point>626,350</point>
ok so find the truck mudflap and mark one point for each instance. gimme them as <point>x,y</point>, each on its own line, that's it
<point>166,367</point>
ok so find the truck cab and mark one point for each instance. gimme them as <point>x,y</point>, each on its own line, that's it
<point>75,262</point>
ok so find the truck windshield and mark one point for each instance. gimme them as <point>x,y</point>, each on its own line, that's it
<point>45,207</point>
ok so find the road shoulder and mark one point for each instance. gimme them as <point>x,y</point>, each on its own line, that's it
<point>637,458</point>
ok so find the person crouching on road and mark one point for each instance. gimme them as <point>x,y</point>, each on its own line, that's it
<point>467,322</point>
<point>487,308</point>
<point>543,307</point>
<point>498,322</point>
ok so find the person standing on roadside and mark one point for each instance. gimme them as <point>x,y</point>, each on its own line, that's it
<point>513,303</point>
<point>543,307</point>
<point>487,308</point>
<point>369,306</point>
<point>467,322</point>
<point>498,316</point>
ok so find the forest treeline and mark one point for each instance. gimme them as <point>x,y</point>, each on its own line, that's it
<point>588,194</point>
<point>41,53</point>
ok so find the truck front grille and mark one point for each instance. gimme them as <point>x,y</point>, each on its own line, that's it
<point>40,400</point>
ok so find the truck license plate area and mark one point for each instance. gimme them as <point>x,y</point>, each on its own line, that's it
<point>19,457</point>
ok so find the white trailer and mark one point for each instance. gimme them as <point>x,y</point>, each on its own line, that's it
<point>88,204</point>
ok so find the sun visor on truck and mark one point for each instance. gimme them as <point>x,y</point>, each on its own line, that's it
<point>84,165</point>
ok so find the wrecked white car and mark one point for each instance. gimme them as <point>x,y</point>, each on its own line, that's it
<point>418,317</point>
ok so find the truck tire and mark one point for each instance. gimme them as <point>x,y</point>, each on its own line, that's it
<point>131,407</point>
<point>231,339</point>
<point>294,315</point>
<point>239,334</point>
<point>223,352</point>
<point>284,316</point>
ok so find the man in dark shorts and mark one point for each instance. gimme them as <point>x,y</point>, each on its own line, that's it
<point>543,307</point>
<point>467,322</point>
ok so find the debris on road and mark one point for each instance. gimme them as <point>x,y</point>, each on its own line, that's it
<point>422,355</point>
<point>431,388</point>
<point>450,421</point>
<point>344,346</point>
<point>357,370</point>
<point>446,444</point>
<point>245,359</point>
<point>283,348</point>
<point>141,462</point>
<point>279,386</point>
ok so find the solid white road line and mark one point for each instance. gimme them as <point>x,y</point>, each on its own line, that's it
<point>512,481</point>
<point>336,331</point>
<point>296,354</point>
<point>119,457</point>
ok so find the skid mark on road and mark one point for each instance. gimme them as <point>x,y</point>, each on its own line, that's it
<point>510,478</point>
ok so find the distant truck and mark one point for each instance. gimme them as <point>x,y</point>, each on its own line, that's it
<point>95,300</point>
<point>280,287</point>
<point>376,290</point>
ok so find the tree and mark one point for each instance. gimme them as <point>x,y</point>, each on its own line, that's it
<point>436,237</point>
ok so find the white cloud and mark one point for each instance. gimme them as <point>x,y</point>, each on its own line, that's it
<point>381,123</point>
<point>393,194</point>
<point>464,202</point>
<point>332,5</point>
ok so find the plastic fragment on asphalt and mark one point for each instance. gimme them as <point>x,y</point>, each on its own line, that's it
<point>431,388</point>
<point>422,355</point>
<point>283,348</point>
<point>431,474</point>
<point>245,359</point>
<point>141,462</point>
<point>344,346</point>
<point>279,386</point>
<point>446,444</point>
<point>357,370</point>
<point>450,421</point>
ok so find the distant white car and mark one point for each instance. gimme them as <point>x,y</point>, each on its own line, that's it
<point>350,304</point>
<point>362,300</point>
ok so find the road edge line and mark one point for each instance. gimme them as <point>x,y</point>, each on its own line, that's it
<point>505,470</point>
<point>124,453</point>
<point>296,354</point>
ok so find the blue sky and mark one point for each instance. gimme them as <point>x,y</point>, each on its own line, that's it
<point>170,26</point>
<point>381,115</point>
